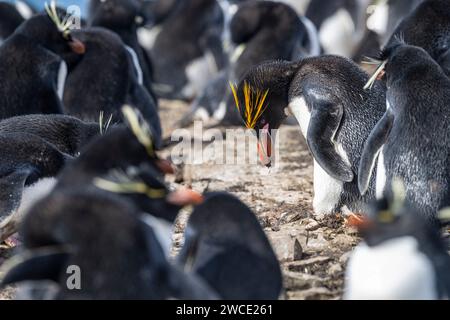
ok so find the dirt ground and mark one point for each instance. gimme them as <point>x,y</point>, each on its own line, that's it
<point>312,250</point>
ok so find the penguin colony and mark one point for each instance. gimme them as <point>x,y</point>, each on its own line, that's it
<point>82,182</point>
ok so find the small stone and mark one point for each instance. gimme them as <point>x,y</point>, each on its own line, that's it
<point>335,269</point>
<point>298,250</point>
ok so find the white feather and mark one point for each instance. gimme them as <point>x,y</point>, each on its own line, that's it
<point>162,229</point>
<point>136,64</point>
<point>327,190</point>
<point>393,270</point>
<point>24,9</point>
<point>62,75</point>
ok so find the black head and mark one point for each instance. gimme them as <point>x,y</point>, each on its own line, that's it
<point>400,59</point>
<point>53,31</point>
<point>145,188</point>
<point>116,14</point>
<point>262,97</point>
<point>120,148</point>
<point>246,21</point>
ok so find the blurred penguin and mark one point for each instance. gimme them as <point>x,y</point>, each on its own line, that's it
<point>226,246</point>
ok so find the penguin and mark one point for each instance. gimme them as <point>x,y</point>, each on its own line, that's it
<point>262,31</point>
<point>385,16</point>
<point>10,19</point>
<point>336,115</point>
<point>124,17</point>
<point>68,134</point>
<point>104,237</point>
<point>341,24</point>
<point>411,140</point>
<point>187,52</point>
<point>156,12</point>
<point>34,150</point>
<point>401,257</point>
<point>145,188</point>
<point>428,27</point>
<point>107,63</point>
<point>121,148</point>
<point>226,246</point>
<point>32,74</point>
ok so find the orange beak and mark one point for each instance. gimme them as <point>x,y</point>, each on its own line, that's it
<point>77,46</point>
<point>184,197</point>
<point>265,147</point>
<point>165,166</point>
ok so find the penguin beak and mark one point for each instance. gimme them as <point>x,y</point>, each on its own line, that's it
<point>165,166</point>
<point>77,46</point>
<point>184,197</point>
<point>265,146</point>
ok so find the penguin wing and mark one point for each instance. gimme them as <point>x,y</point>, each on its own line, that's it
<point>38,264</point>
<point>372,147</point>
<point>11,187</point>
<point>179,284</point>
<point>54,73</point>
<point>325,121</point>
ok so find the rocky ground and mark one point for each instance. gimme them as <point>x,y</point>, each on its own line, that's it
<point>313,250</point>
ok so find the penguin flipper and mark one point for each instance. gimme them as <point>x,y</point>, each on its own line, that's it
<point>38,264</point>
<point>11,188</point>
<point>372,147</point>
<point>325,121</point>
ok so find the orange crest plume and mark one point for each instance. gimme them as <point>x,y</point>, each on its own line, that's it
<point>254,104</point>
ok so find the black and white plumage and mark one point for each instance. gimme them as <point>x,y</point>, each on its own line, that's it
<point>326,96</point>
<point>428,27</point>
<point>411,140</point>
<point>113,80</point>
<point>401,257</point>
<point>10,19</point>
<point>259,31</point>
<point>34,149</point>
<point>187,52</point>
<point>32,74</point>
<point>124,17</point>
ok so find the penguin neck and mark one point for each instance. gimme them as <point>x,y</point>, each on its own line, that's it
<point>279,85</point>
<point>128,35</point>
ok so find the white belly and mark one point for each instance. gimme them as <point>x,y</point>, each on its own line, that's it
<point>30,196</point>
<point>381,176</point>
<point>199,72</point>
<point>327,190</point>
<point>395,269</point>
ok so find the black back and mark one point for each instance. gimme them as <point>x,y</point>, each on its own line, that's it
<point>428,27</point>
<point>108,68</point>
<point>124,17</point>
<point>231,251</point>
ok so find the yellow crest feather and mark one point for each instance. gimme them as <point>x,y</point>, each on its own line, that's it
<point>254,100</point>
